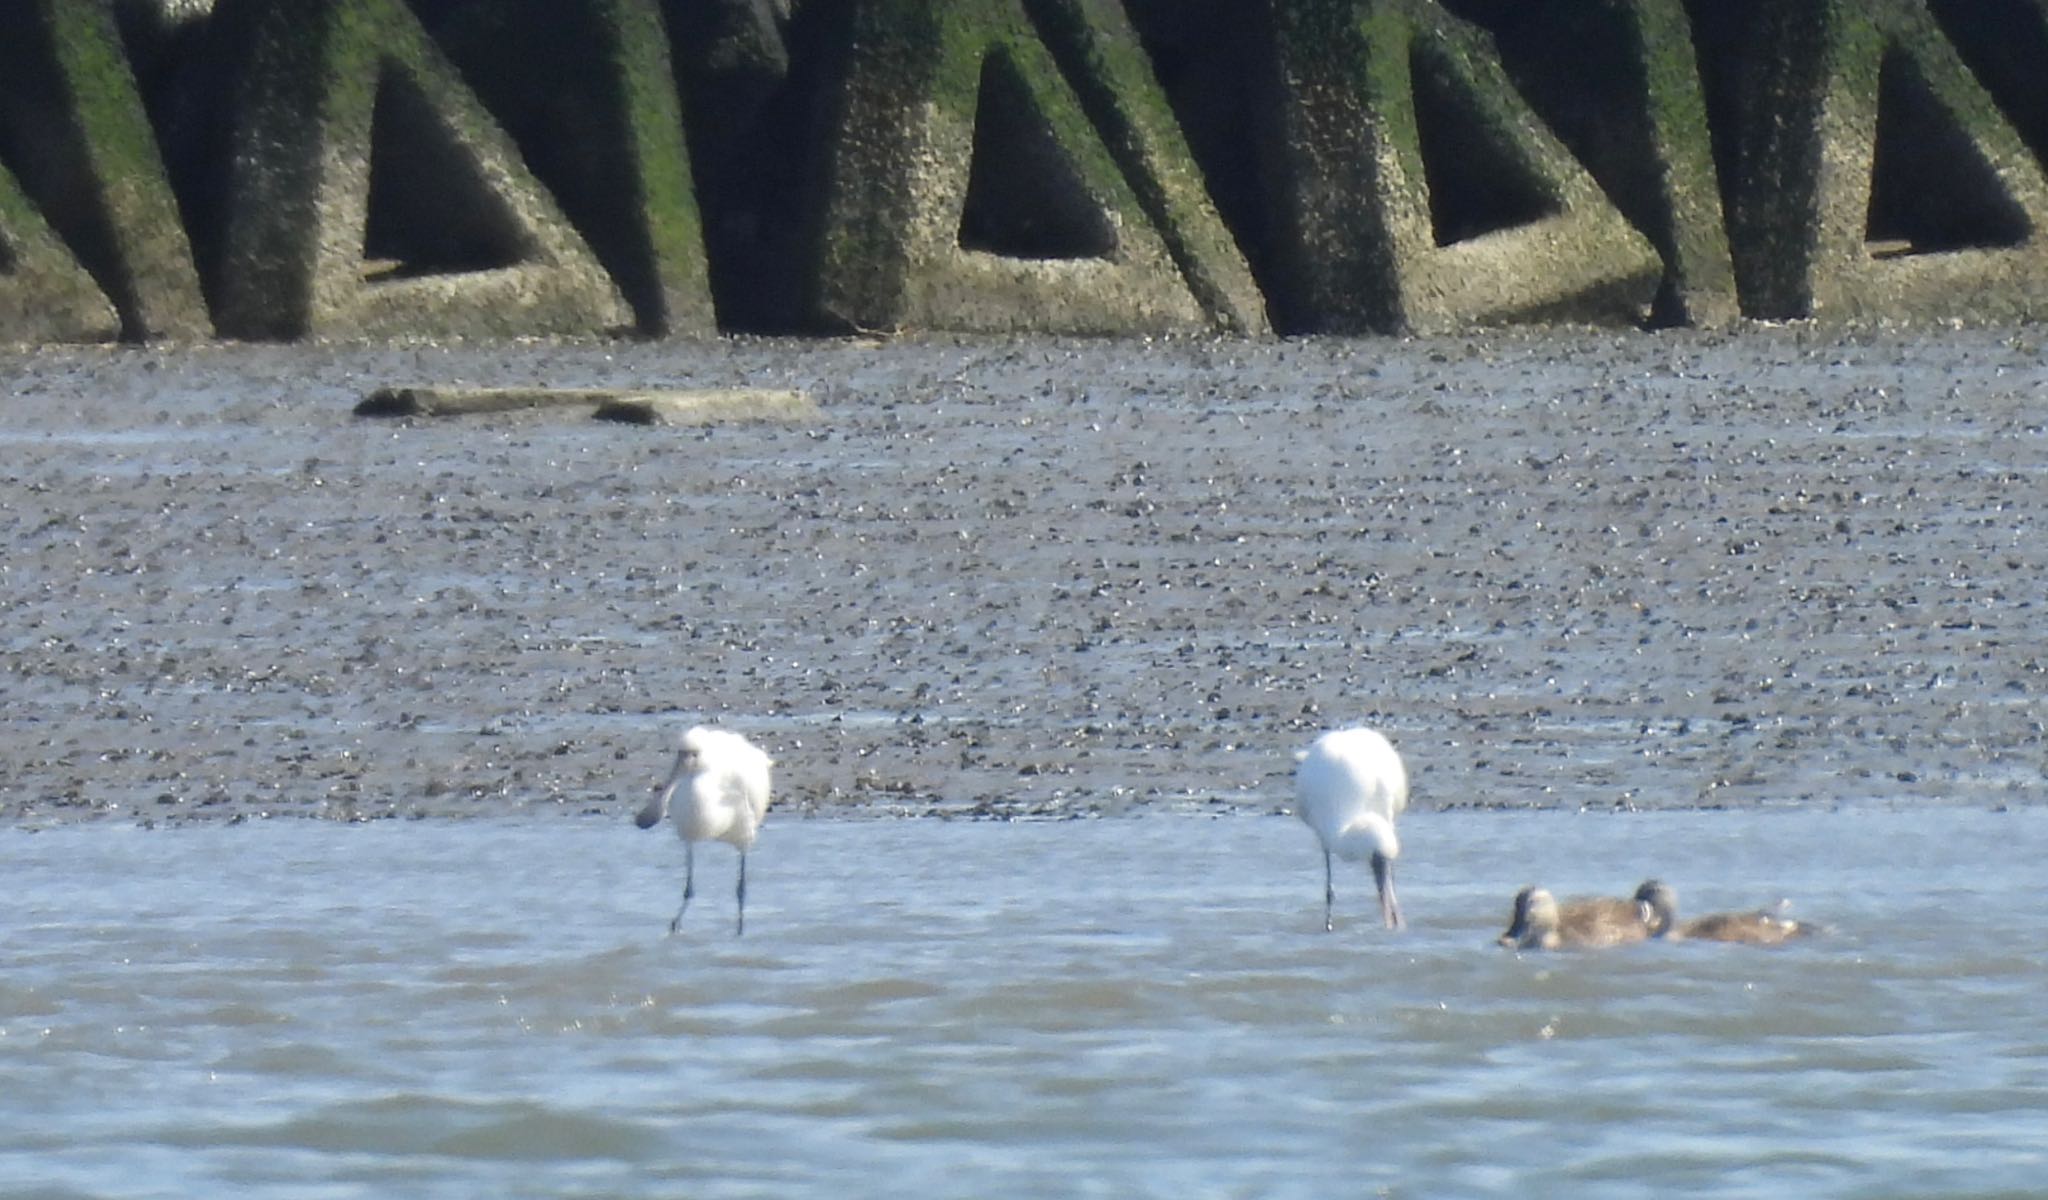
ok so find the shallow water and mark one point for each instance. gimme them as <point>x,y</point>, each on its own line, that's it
<point>1141,1006</point>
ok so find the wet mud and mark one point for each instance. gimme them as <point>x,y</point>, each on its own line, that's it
<point>1559,569</point>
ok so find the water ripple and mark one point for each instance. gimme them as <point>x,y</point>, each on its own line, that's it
<point>379,1011</point>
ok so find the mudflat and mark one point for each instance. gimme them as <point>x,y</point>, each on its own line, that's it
<point>1559,569</point>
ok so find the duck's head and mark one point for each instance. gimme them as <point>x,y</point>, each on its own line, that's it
<point>1535,919</point>
<point>1657,905</point>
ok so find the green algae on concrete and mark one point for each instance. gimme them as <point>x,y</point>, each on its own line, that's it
<point>1417,191</point>
<point>1878,178</point>
<point>372,196</point>
<point>1619,82</point>
<point>967,188</point>
<point>1107,65</point>
<point>587,90</point>
<point>2005,43</point>
<point>1683,213</point>
<point>45,295</point>
<point>82,145</point>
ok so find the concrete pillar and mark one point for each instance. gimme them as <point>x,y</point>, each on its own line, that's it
<point>1100,51</point>
<point>45,295</point>
<point>74,131</point>
<point>967,187</point>
<point>1876,177</point>
<point>372,196</point>
<point>1619,82</point>
<point>750,75</point>
<point>586,89</point>
<point>1416,190</point>
<point>2005,43</point>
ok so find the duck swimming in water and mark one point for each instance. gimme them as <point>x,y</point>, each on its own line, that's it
<point>1542,923</point>
<point>1761,927</point>
<point>1758,928</point>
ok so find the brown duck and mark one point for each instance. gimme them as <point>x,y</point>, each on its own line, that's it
<point>1759,928</point>
<point>1542,923</point>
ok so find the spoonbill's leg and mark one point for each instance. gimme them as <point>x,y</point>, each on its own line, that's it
<point>689,884</point>
<point>742,893</point>
<point>1329,895</point>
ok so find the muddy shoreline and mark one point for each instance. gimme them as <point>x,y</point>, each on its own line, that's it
<point>1017,578</point>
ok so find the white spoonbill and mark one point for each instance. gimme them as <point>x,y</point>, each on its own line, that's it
<point>1349,788</point>
<point>720,791</point>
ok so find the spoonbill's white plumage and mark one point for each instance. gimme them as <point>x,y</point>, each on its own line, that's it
<point>717,792</point>
<point>1349,788</point>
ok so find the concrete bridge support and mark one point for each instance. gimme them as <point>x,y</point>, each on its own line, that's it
<point>173,169</point>
<point>1876,176</point>
<point>1619,82</point>
<point>1417,190</point>
<point>968,188</point>
<point>588,92</point>
<point>91,242</point>
<point>373,196</point>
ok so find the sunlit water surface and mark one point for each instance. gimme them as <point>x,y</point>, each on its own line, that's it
<point>1130,1007</point>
